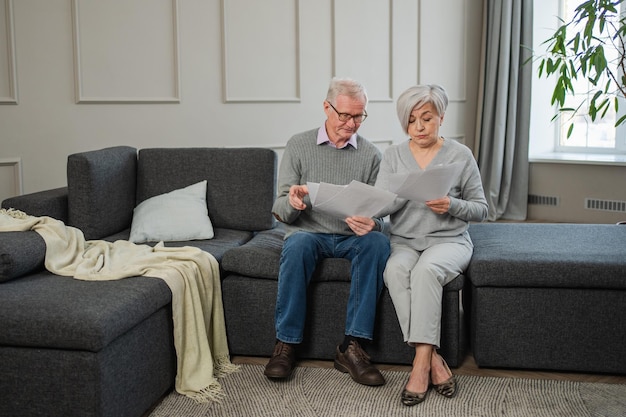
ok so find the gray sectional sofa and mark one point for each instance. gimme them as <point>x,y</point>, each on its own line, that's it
<point>540,296</point>
<point>78,348</point>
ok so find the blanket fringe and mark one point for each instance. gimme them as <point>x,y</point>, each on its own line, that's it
<point>223,366</point>
<point>212,393</point>
<point>15,213</point>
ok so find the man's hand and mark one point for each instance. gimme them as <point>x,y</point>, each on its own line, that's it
<point>296,196</point>
<point>360,225</point>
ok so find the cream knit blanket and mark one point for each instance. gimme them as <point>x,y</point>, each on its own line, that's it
<point>192,275</point>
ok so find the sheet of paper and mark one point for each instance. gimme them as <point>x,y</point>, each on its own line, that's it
<point>430,184</point>
<point>354,199</point>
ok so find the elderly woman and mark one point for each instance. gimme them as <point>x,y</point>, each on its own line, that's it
<point>430,243</point>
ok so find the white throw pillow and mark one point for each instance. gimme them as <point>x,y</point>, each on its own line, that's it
<point>179,215</point>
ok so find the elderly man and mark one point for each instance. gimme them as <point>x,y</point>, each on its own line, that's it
<point>336,154</point>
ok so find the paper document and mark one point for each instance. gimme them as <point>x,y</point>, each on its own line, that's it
<point>354,199</point>
<point>430,184</point>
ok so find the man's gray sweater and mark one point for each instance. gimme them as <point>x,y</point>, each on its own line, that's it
<point>305,161</point>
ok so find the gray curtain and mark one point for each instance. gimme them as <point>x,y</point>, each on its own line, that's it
<point>503,115</point>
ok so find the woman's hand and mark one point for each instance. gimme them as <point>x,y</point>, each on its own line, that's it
<point>440,205</point>
<point>360,225</point>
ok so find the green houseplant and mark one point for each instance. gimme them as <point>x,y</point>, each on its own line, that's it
<point>590,46</point>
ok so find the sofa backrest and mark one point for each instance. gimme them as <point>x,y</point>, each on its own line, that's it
<point>101,187</point>
<point>241,182</point>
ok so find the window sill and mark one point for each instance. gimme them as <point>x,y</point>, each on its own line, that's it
<point>579,158</point>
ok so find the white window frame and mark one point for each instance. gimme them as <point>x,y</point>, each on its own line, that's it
<point>544,133</point>
<point>620,143</point>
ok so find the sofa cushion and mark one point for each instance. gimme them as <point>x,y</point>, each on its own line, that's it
<point>54,312</point>
<point>20,254</point>
<point>223,240</point>
<point>179,215</point>
<point>260,258</point>
<point>257,258</point>
<point>101,190</point>
<point>548,255</point>
<point>241,182</point>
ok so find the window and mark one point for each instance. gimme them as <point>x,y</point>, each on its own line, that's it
<point>601,135</point>
<point>590,142</point>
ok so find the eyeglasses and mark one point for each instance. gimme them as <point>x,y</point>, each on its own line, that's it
<point>344,117</point>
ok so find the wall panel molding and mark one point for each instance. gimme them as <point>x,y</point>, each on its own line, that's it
<point>16,164</point>
<point>115,63</point>
<point>261,51</point>
<point>362,47</point>
<point>444,64</point>
<point>8,86</point>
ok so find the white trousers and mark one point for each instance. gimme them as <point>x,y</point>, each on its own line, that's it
<point>415,281</point>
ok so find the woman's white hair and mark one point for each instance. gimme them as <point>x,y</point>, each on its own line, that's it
<point>417,96</point>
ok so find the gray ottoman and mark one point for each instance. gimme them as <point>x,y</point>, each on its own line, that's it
<point>549,296</point>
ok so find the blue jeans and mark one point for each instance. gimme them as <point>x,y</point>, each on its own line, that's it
<point>301,253</point>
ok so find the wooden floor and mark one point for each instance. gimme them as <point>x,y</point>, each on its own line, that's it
<point>467,368</point>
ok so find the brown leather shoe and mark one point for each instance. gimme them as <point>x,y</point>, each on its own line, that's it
<point>357,363</point>
<point>282,362</point>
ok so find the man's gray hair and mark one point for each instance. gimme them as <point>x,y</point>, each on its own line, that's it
<point>417,96</point>
<point>346,87</point>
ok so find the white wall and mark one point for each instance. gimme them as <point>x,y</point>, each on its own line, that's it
<point>164,73</point>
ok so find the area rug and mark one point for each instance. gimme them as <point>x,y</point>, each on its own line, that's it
<point>320,392</point>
